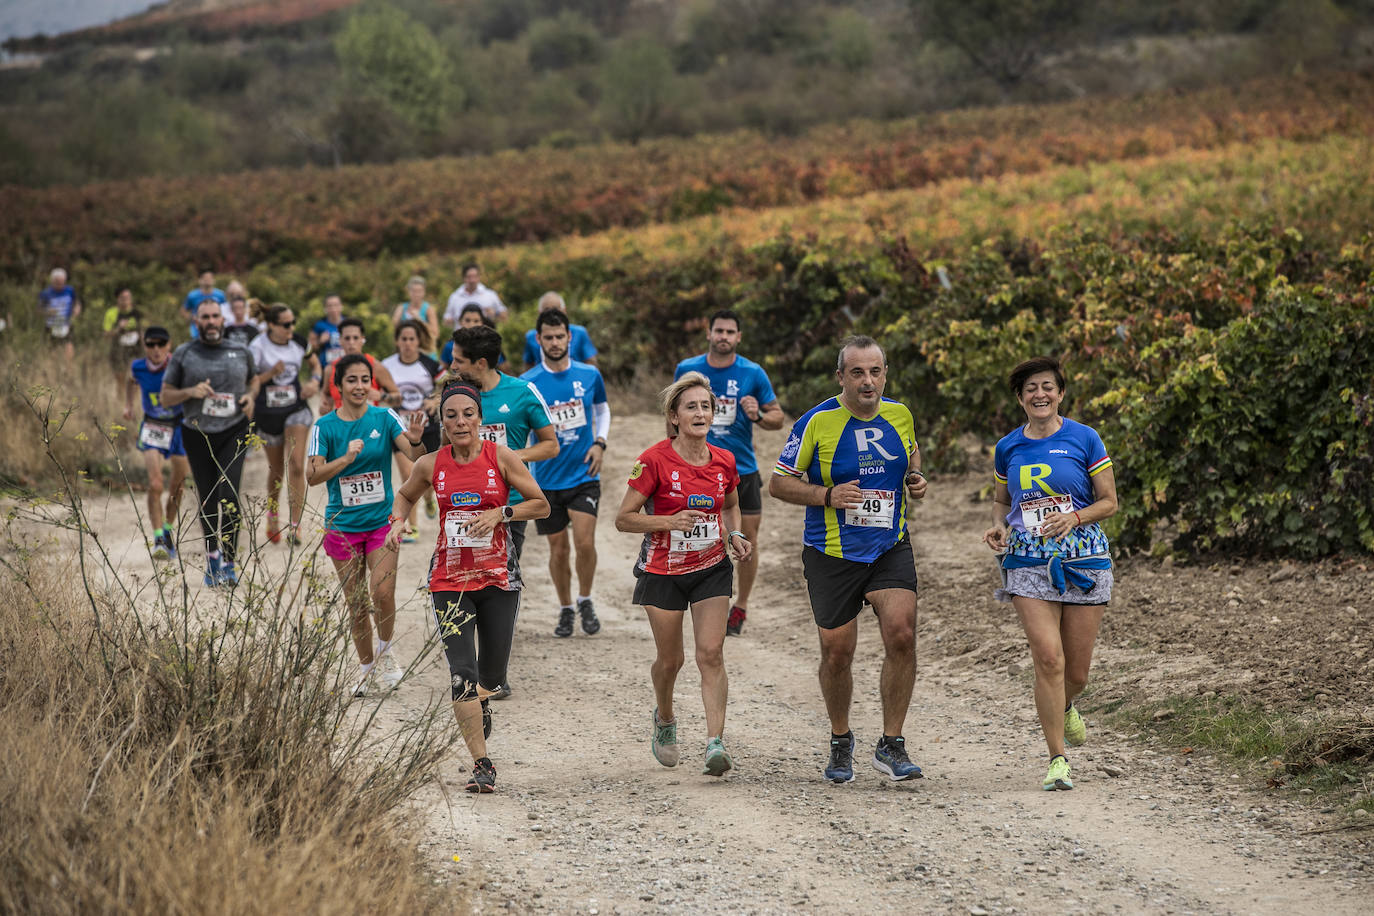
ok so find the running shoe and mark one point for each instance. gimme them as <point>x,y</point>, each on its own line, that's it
<point>1075,732</point>
<point>565,622</point>
<point>161,549</point>
<point>736,621</point>
<point>364,683</point>
<point>483,778</point>
<point>486,720</point>
<point>293,537</point>
<point>409,537</point>
<point>502,692</point>
<point>890,758</point>
<point>718,760</point>
<point>170,547</point>
<point>841,766</point>
<point>431,507</point>
<point>273,529</point>
<point>213,571</point>
<point>663,741</point>
<point>1058,777</point>
<point>387,671</point>
<point>590,625</point>
<point>228,575</point>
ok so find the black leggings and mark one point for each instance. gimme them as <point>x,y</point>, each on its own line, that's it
<point>478,629</point>
<point>216,461</point>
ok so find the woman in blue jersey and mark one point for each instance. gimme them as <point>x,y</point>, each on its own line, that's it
<point>350,451</point>
<point>1053,485</point>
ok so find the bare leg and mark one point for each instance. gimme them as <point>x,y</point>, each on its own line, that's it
<point>295,471</point>
<point>584,540</point>
<point>152,462</point>
<point>1040,620</point>
<point>381,565</point>
<point>837,678</point>
<point>560,565</point>
<point>353,578</point>
<point>180,470</point>
<point>708,629</point>
<point>896,609</point>
<point>468,713</point>
<point>1078,633</point>
<point>668,658</point>
<point>275,461</point>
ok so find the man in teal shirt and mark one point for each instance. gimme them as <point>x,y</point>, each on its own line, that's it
<point>513,413</point>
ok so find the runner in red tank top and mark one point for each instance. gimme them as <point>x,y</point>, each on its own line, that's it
<point>688,491</point>
<point>384,390</point>
<point>475,576</point>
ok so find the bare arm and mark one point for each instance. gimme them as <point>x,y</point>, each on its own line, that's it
<point>408,494</point>
<point>319,469</point>
<point>767,416</point>
<point>1103,506</point>
<point>545,448</point>
<point>130,393</point>
<point>996,536</point>
<point>391,395</point>
<point>794,490</point>
<point>171,397</point>
<point>735,540</point>
<point>630,519</point>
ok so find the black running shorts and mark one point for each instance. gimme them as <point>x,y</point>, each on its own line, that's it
<point>677,593</point>
<point>582,498</point>
<point>750,494</point>
<point>838,588</point>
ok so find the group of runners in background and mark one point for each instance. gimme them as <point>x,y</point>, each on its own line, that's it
<point>485,452</point>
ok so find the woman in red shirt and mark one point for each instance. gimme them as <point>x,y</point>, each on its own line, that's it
<point>474,578</point>
<point>687,489</point>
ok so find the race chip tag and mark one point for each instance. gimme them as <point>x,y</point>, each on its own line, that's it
<point>1034,512</point>
<point>496,433</point>
<point>704,535</point>
<point>726,409</point>
<point>280,395</point>
<point>362,489</point>
<point>455,531</point>
<point>568,415</point>
<point>220,405</point>
<point>875,511</point>
<point>155,435</point>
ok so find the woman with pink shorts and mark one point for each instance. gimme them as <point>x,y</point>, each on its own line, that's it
<point>350,452</point>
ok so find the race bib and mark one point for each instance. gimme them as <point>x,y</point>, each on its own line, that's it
<point>333,353</point>
<point>129,339</point>
<point>60,330</point>
<point>455,531</point>
<point>412,399</point>
<point>496,433</point>
<point>280,395</point>
<point>220,405</point>
<point>726,409</point>
<point>155,435</point>
<point>875,511</point>
<point>568,415</point>
<point>362,489</point>
<point>704,535</point>
<point>1034,512</point>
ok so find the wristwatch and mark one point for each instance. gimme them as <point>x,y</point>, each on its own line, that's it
<point>508,512</point>
<point>600,442</point>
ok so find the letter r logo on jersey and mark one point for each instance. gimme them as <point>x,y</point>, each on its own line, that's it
<point>1033,475</point>
<point>867,437</point>
<point>578,390</point>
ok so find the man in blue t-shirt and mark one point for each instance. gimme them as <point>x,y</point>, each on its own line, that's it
<point>744,396</point>
<point>205,289</point>
<point>571,481</point>
<point>159,438</point>
<point>580,346</point>
<point>324,334</point>
<point>60,306</point>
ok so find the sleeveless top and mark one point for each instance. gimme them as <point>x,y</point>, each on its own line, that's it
<point>336,395</point>
<point>464,491</point>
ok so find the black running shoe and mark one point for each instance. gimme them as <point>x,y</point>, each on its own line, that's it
<point>590,625</point>
<point>486,720</point>
<point>565,622</point>
<point>502,692</point>
<point>841,766</point>
<point>483,778</point>
<point>735,623</point>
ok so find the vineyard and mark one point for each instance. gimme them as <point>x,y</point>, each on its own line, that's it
<point>1180,252</point>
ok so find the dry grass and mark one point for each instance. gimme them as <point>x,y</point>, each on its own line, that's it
<point>175,753</point>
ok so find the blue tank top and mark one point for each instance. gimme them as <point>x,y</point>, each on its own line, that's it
<point>150,381</point>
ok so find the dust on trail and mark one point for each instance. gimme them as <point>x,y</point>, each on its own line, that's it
<point>585,820</point>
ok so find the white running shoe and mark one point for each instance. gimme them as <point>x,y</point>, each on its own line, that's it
<point>387,672</point>
<point>365,683</point>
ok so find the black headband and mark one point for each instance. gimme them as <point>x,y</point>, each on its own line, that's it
<point>460,388</point>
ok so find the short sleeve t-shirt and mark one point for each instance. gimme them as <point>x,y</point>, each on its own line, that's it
<point>732,429</point>
<point>332,349</point>
<point>830,446</point>
<point>196,296</point>
<point>510,413</point>
<point>150,384</point>
<point>1050,475</point>
<point>672,485</point>
<point>228,367</point>
<point>58,304</point>
<point>571,396</point>
<point>360,495</point>
<point>580,346</point>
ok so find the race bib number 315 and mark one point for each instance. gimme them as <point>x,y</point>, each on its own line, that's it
<point>362,489</point>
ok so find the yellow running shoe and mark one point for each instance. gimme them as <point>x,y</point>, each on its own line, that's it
<point>1058,777</point>
<point>1075,732</point>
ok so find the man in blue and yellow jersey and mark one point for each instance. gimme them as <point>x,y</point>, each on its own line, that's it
<point>854,463</point>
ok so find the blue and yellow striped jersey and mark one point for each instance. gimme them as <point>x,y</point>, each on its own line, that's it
<point>830,446</point>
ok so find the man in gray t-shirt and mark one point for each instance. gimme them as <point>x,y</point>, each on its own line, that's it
<point>213,381</point>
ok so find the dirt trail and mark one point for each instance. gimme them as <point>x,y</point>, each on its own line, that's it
<point>586,821</point>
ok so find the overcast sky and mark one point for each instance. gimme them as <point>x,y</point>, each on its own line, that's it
<point>21,18</point>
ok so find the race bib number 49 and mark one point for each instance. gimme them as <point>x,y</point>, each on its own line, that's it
<point>704,535</point>
<point>361,489</point>
<point>875,511</point>
<point>1034,512</point>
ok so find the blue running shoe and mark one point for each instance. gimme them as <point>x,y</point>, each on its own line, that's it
<point>890,759</point>
<point>213,571</point>
<point>228,575</point>
<point>841,767</point>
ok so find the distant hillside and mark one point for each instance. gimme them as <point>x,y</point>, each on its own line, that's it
<point>21,19</point>
<point>207,17</point>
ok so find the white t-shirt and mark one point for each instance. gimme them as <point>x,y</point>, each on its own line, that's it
<point>484,296</point>
<point>415,380</point>
<point>290,354</point>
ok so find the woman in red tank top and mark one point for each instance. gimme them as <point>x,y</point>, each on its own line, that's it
<point>474,578</point>
<point>687,489</point>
